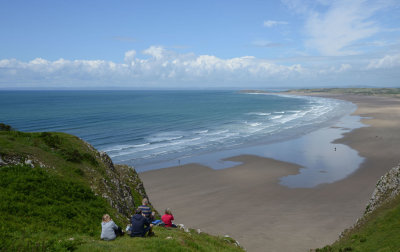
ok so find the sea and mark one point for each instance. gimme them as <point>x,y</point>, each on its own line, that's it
<point>158,129</point>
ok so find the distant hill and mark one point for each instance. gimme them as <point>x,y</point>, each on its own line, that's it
<point>389,92</point>
<point>394,92</point>
<point>54,189</point>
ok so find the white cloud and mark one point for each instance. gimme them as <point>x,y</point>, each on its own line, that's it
<point>334,27</point>
<point>299,6</point>
<point>265,43</point>
<point>271,23</point>
<point>344,23</point>
<point>344,67</point>
<point>388,61</point>
<point>130,57</point>
<point>336,69</point>
<point>165,68</point>
<point>156,52</point>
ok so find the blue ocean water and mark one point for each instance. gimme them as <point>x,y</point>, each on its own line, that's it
<point>150,128</point>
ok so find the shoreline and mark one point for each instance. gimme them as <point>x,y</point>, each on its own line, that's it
<point>217,159</point>
<point>265,213</point>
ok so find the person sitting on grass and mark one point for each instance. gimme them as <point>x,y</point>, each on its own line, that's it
<point>146,210</point>
<point>109,230</point>
<point>167,218</point>
<point>140,225</point>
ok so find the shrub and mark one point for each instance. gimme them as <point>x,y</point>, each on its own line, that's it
<point>5,127</point>
<point>73,156</point>
<point>51,140</point>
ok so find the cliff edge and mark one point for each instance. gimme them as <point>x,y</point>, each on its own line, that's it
<point>54,189</point>
<point>378,228</point>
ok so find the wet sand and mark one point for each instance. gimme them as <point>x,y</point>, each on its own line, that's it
<point>247,203</point>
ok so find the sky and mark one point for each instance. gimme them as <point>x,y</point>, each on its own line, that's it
<point>208,44</point>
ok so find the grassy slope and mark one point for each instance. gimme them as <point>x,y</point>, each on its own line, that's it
<point>165,240</point>
<point>379,231</point>
<point>39,209</point>
<point>52,206</point>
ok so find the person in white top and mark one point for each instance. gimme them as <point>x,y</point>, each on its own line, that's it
<point>109,229</point>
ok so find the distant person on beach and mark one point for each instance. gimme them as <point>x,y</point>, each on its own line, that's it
<point>140,225</point>
<point>167,218</point>
<point>109,230</point>
<point>146,210</point>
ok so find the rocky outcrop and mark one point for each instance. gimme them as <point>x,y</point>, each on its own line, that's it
<point>10,160</point>
<point>120,185</point>
<point>387,188</point>
<point>20,160</point>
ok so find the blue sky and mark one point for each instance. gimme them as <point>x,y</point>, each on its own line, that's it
<point>199,44</point>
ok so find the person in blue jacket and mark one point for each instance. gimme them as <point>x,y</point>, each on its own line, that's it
<point>140,224</point>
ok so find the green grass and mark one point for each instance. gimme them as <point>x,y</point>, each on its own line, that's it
<point>165,240</point>
<point>38,209</point>
<point>57,205</point>
<point>379,231</point>
<point>66,152</point>
<point>67,156</point>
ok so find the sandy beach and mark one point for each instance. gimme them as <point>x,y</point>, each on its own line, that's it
<point>247,202</point>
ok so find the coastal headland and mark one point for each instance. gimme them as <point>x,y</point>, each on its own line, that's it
<point>248,203</point>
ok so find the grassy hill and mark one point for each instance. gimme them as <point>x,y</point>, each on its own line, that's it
<point>54,189</point>
<point>380,231</point>
<point>379,228</point>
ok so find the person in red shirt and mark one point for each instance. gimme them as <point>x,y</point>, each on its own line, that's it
<point>167,218</point>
